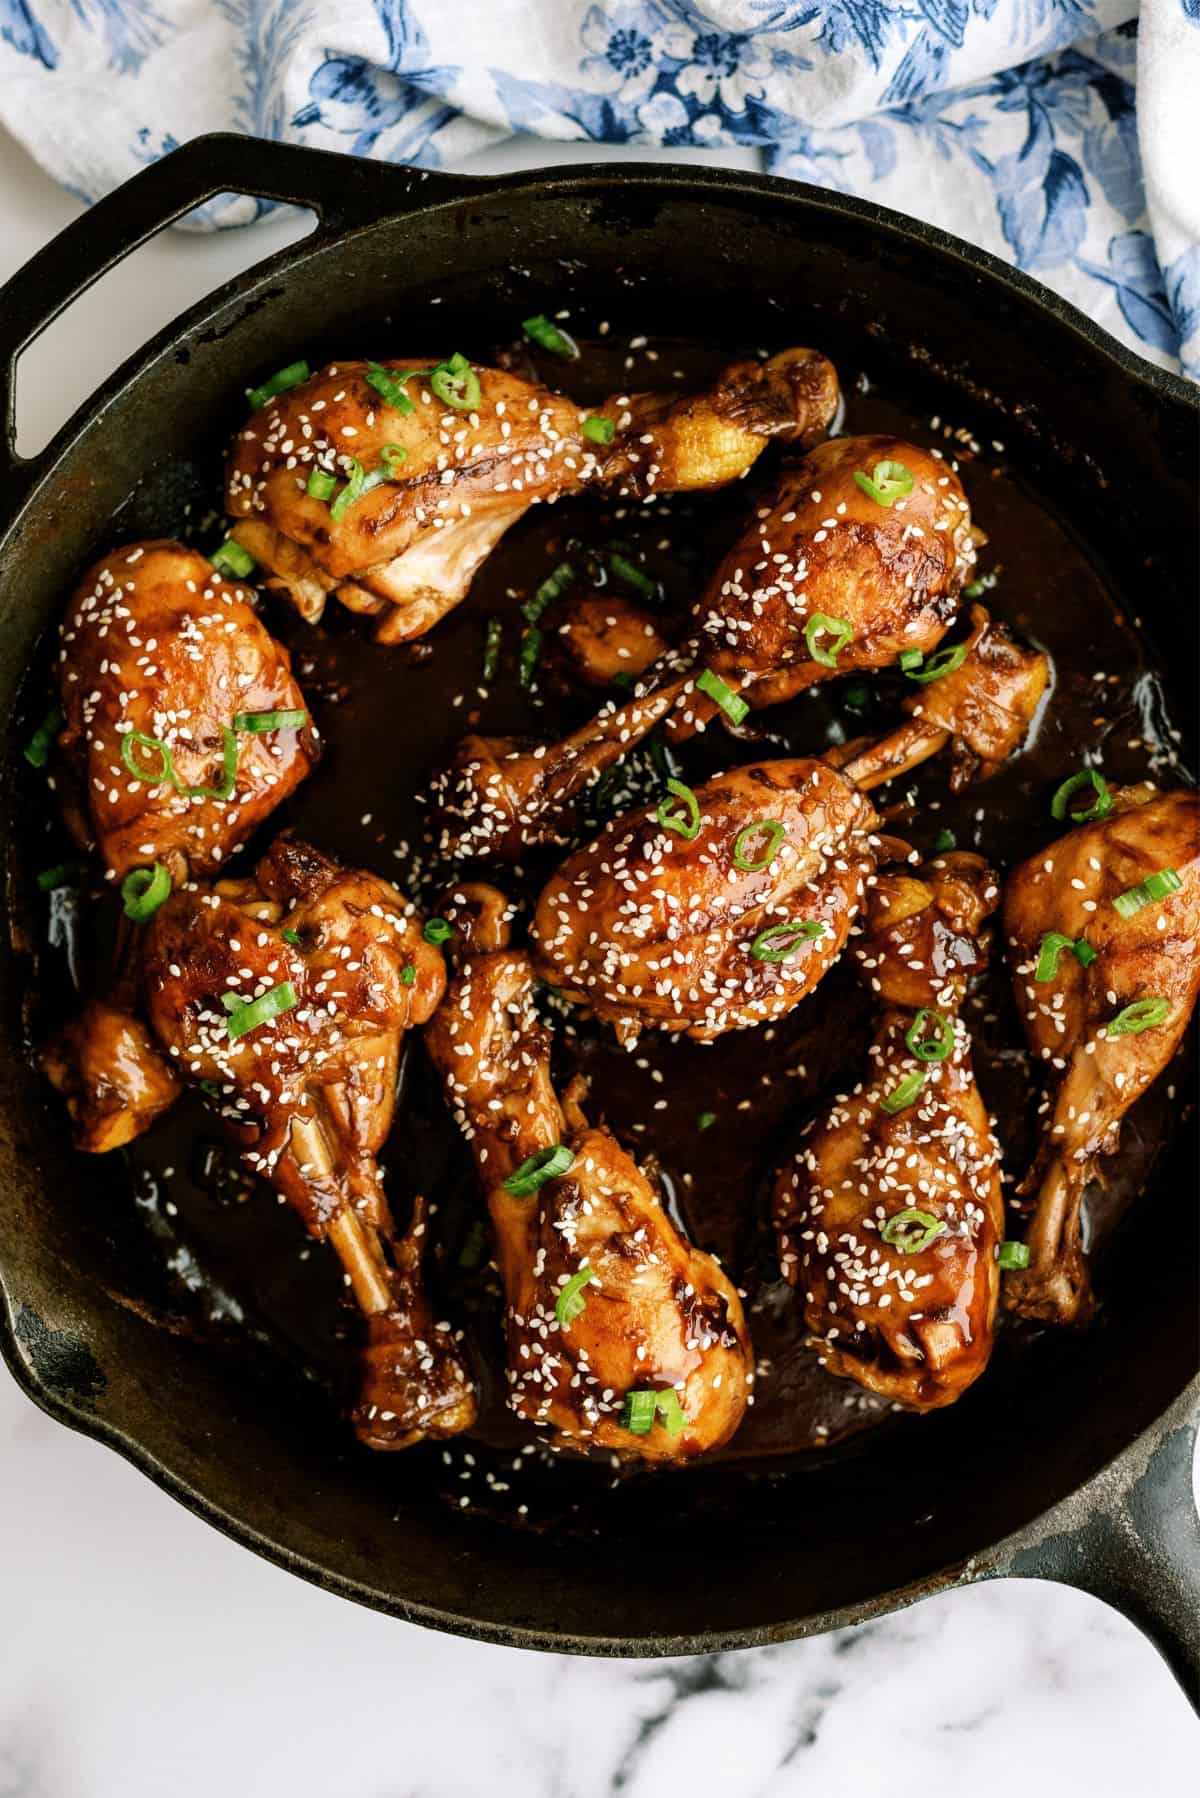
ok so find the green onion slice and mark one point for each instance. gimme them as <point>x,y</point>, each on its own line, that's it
<point>229,768</point>
<point>437,930</point>
<point>64,874</point>
<point>910,659</point>
<point>533,1173</point>
<point>836,630</point>
<point>911,1230</point>
<point>547,336</point>
<point>1143,1014</point>
<point>632,575</point>
<point>1088,777</point>
<point>856,698</point>
<point>456,383</point>
<point>902,1096</point>
<point>529,655</point>
<point>1013,1255</point>
<point>706,1120</point>
<point>358,484</point>
<point>570,1301</point>
<point>644,1404</point>
<point>599,430</point>
<point>291,376</point>
<point>491,648</point>
<point>408,974</point>
<point>554,585</point>
<point>292,937</point>
<point>779,941</point>
<point>136,739</point>
<point>37,750</point>
<point>731,703</point>
<point>255,723</point>
<point>144,890</point>
<point>980,585</point>
<point>392,456</point>
<point>1155,886</point>
<point>926,1046</point>
<point>474,1248</point>
<point>244,1017</point>
<point>672,1413</point>
<point>321,484</point>
<point>938,666</point>
<point>389,385</point>
<point>231,558</point>
<point>772,830</point>
<point>1052,945</point>
<point>886,483</point>
<point>945,839</point>
<point>683,817</point>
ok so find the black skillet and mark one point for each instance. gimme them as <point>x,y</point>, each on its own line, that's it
<point>1080,1472</point>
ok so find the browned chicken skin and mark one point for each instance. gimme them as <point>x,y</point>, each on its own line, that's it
<point>821,547</point>
<point>1094,1074</point>
<point>911,1317</point>
<point>156,642</point>
<point>598,638</point>
<point>309,1094</point>
<point>407,549</point>
<point>111,1073</point>
<point>651,929</point>
<point>658,1316</point>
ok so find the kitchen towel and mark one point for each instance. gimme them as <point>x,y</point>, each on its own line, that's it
<point>1063,135</point>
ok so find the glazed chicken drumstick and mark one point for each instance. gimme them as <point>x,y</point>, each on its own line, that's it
<point>1103,938</point>
<point>621,1334</point>
<point>389,484</point>
<point>890,1214</point>
<point>182,730</point>
<point>289,993</point>
<point>826,580</point>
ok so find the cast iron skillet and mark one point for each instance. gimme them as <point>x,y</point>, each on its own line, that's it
<point>1081,1473</point>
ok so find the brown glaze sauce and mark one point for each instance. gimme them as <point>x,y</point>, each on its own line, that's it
<point>239,1264</point>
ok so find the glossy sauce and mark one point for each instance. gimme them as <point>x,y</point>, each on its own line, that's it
<point>237,1263</point>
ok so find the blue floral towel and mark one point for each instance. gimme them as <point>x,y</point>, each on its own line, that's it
<point>1010,122</point>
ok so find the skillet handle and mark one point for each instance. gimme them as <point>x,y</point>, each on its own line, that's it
<point>341,190</point>
<point>1131,1536</point>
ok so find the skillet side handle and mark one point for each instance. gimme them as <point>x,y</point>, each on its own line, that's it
<point>1131,1536</point>
<point>341,190</point>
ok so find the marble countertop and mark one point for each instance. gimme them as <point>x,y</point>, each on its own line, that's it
<point>143,1654</point>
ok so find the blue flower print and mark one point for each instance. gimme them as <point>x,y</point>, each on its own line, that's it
<point>19,27</point>
<point>625,45</point>
<point>725,68</point>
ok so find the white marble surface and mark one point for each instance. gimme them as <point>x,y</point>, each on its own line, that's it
<point>142,1654</point>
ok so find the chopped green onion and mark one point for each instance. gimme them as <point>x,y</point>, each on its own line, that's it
<point>911,1230</point>
<point>886,483</point>
<point>548,337</point>
<point>903,1095</point>
<point>292,937</point>
<point>255,723</point>
<point>491,648</point>
<point>667,764</point>
<point>389,385</point>
<point>393,455</point>
<point>1143,1014</point>
<point>945,839</point>
<point>555,584</point>
<point>599,430</point>
<point>1165,881</point>
<point>37,750</point>
<point>437,930</point>
<point>64,875</point>
<point>684,822</point>
<point>245,1017</point>
<point>943,663</point>
<point>166,768</point>
<point>456,383</point>
<point>231,558</point>
<point>1052,945</point>
<point>291,376</point>
<point>570,1301</point>
<point>774,831</point>
<point>980,585</point>
<point>529,655</point>
<point>1012,1256</point>
<point>733,706</point>
<point>644,1404</point>
<point>779,941</point>
<point>910,659</point>
<point>351,493</point>
<point>856,698</point>
<point>533,1173</point>
<point>633,576</point>
<point>1089,777</point>
<point>408,974</point>
<point>144,890</point>
<point>624,683</point>
<point>229,768</point>
<point>639,1411</point>
<point>474,1247</point>
<point>838,632</point>
<point>1085,955</point>
<point>706,1120</point>
<point>926,1047</point>
<point>321,484</point>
